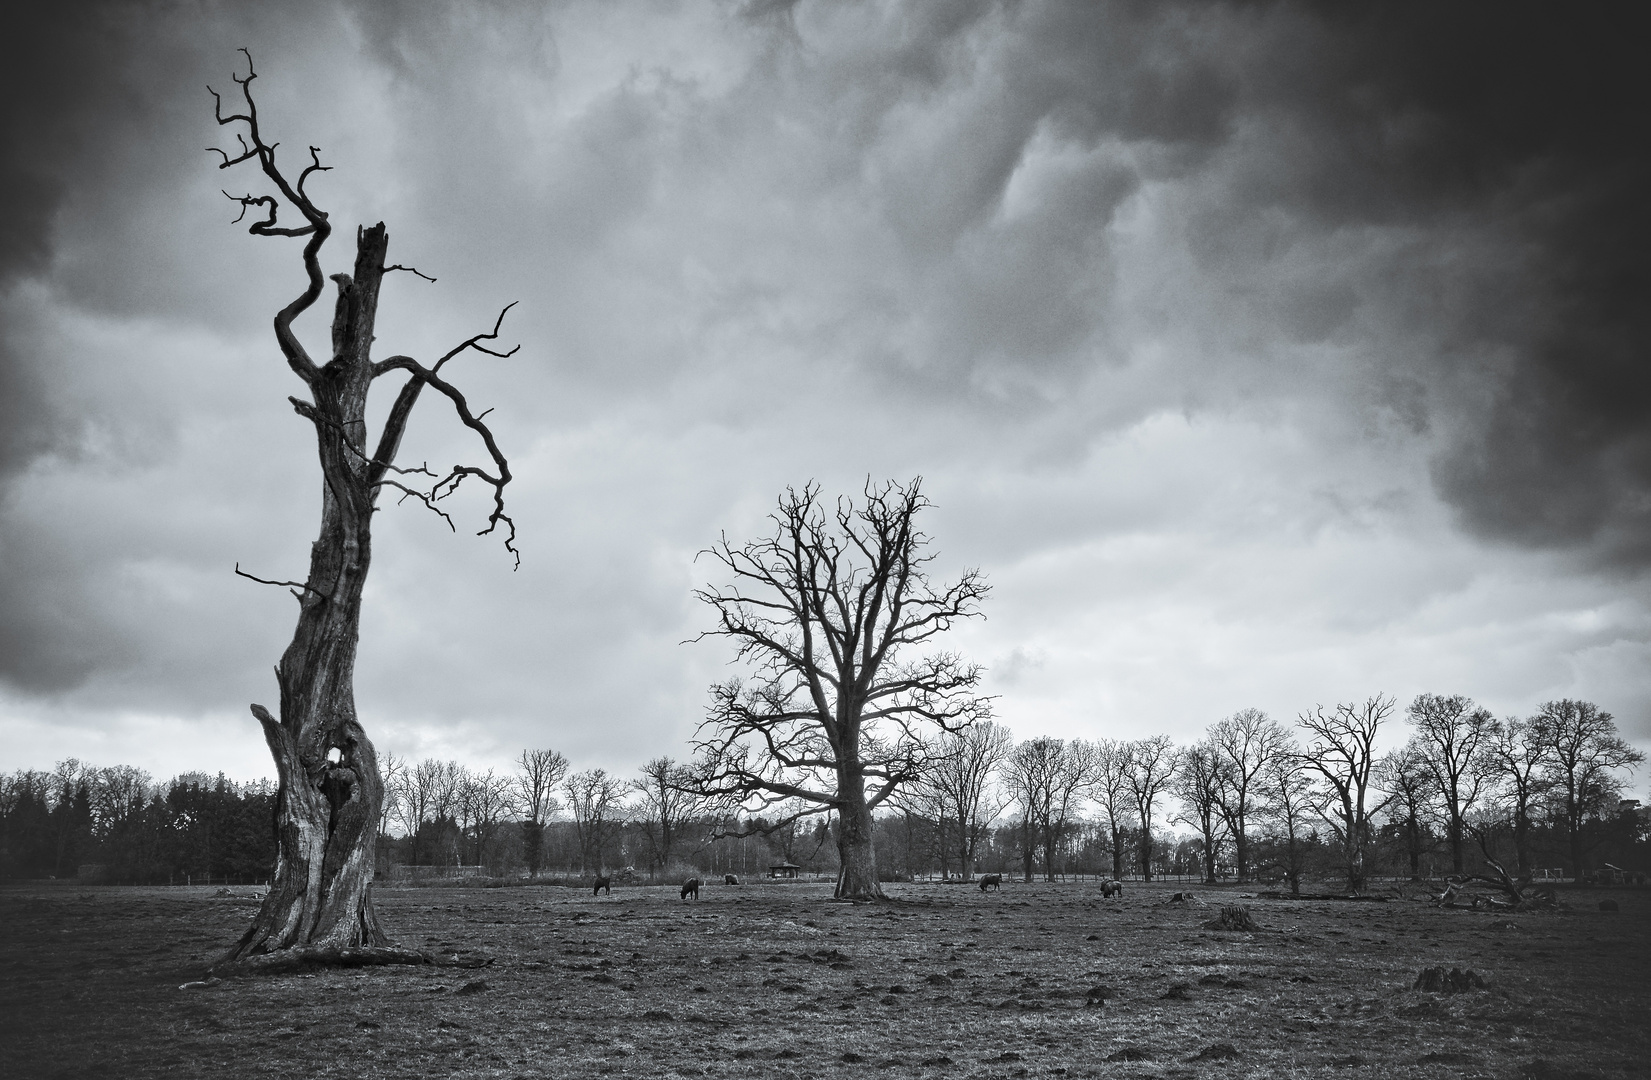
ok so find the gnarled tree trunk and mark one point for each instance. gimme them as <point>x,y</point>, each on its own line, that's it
<point>319,905</point>
<point>331,793</point>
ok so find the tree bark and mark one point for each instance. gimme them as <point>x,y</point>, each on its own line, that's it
<point>856,842</point>
<point>330,794</point>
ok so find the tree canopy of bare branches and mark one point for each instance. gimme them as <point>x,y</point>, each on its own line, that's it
<point>1149,770</point>
<point>667,800</point>
<point>835,618</point>
<point>538,772</point>
<point>331,790</point>
<point>1111,792</point>
<point>1343,754</point>
<point>597,802</point>
<point>1405,775</point>
<point>1243,744</point>
<point>1584,755</point>
<point>1454,738</point>
<point>483,801</point>
<point>1199,780</point>
<point>959,782</point>
<point>1049,778</point>
<point>1518,764</point>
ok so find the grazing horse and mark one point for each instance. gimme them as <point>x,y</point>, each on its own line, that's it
<point>603,883</point>
<point>690,888</point>
<point>991,881</point>
<point>1112,888</point>
<point>730,879</point>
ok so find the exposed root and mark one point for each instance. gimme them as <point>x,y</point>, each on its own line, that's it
<point>285,960</point>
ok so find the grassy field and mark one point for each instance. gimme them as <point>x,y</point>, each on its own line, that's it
<point>780,981</point>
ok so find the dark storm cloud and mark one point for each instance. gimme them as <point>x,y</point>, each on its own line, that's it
<point>50,78</point>
<point>1524,123</point>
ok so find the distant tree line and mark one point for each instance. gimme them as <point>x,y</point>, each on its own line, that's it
<point>1253,800</point>
<point>122,826</point>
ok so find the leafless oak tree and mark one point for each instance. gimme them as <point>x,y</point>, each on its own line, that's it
<point>538,773</point>
<point>1199,782</point>
<point>1454,738</point>
<point>1243,744</point>
<point>1519,760</point>
<point>483,801</point>
<point>1584,755</point>
<point>1343,754</point>
<point>1049,778</point>
<point>1404,774</point>
<point>319,904</point>
<point>1288,805</point>
<point>667,800</point>
<point>1149,770</point>
<point>959,783</point>
<point>1111,793</point>
<point>827,614</point>
<point>597,803</point>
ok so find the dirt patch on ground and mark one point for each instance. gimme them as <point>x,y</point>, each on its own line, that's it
<point>780,981</point>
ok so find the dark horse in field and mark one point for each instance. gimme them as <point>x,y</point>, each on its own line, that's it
<point>991,881</point>
<point>690,888</point>
<point>603,883</point>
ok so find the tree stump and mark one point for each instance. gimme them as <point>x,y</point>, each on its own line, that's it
<point>1232,917</point>
<point>1455,981</point>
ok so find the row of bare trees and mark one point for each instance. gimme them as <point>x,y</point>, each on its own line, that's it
<point>465,810</point>
<point>1463,774</point>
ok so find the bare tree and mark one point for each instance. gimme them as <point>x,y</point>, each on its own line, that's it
<point>483,800</point>
<point>394,769</point>
<point>1519,757</point>
<point>1343,754</point>
<point>826,614</point>
<point>1454,738</point>
<point>1048,777</point>
<point>961,766</point>
<point>1406,776</point>
<point>538,772</point>
<point>1111,793</point>
<point>1149,769</point>
<point>327,809</point>
<point>1287,805</point>
<point>596,801</point>
<point>667,803</point>
<point>425,797</point>
<point>1200,780</point>
<point>1584,753</point>
<point>1243,744</point>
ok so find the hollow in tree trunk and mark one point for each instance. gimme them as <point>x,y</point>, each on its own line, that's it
<point>330,794</point>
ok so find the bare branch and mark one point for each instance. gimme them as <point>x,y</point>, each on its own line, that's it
<point>410,270</point>
<point>266,581</point>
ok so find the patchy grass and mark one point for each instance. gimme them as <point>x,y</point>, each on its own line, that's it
<point>780,981</point>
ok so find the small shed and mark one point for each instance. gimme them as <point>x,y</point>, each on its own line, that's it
<point>783,870</point>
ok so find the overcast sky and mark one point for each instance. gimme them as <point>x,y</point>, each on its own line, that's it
<point>1259,355</point>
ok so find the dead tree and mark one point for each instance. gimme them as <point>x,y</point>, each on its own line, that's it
<point>825,613</point>
<point>319,906</point>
